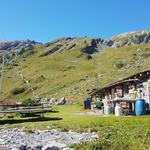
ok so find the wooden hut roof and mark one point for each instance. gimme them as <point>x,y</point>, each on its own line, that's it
<point>133,78</point>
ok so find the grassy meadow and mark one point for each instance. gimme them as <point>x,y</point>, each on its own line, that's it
<point>115,133</point>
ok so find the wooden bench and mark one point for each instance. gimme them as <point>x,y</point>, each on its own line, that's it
<point>23,109</point>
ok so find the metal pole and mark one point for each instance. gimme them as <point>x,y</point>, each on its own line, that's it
<point>2,73</point>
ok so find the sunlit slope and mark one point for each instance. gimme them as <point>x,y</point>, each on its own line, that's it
<point>73,73</point>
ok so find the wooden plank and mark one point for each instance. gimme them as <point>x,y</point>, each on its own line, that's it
<point>17,105</point>
<point>25,110</point>
<point>33,107</point>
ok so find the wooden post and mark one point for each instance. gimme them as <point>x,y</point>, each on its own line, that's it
<point>122,90</point>
<point>42,111</point>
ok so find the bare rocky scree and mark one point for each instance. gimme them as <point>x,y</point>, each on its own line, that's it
<point>17,139</point>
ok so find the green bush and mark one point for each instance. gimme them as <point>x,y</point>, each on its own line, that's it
<point>146,55</point>
<point>17,91</point>
<point>28,102</point>
<point>88,57</point>
<point>120,65</point>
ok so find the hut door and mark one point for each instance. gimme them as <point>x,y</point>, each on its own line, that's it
<point>113,93</point>
<point>126,89</point>
<point>146,91</point>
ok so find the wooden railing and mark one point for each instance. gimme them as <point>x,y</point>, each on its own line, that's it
<point>25,109</point>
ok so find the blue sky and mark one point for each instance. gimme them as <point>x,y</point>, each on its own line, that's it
<point>45,20</point>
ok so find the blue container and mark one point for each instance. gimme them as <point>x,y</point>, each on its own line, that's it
<point>87,103</point>
<point>140,107</point>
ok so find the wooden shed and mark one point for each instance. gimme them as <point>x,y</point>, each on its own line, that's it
<point>130,88</point>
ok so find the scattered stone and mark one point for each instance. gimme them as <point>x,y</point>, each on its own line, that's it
<point>53,101</point>
<point>17,139</point>
<point>62,101</point>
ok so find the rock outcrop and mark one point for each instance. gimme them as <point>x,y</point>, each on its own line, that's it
<point>93,45</point>
<point>129,38</point>
<point>86,45</point>
<point>16,45</point>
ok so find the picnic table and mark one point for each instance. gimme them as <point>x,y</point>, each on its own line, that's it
<point>25,109</point>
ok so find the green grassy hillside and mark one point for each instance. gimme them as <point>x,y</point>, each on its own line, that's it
<point>72,72</point>
<point>123,133</point>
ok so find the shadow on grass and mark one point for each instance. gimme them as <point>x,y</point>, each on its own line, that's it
<point>54,111</point>
<point>39,119</point>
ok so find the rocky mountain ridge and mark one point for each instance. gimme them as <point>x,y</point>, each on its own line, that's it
<point>16,45</point>
<point>130,38</point>
<point>93,45</point>
<point>86,44</point>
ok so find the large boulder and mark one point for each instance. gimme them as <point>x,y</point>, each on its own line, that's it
<point>53,101</point>
<point>62,101</point>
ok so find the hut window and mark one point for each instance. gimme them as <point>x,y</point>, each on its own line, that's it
<point>126,88</point>
<point>119,90</point>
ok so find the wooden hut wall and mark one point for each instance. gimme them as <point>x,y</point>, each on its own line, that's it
<point>113,91</point>
<point>123,88</point>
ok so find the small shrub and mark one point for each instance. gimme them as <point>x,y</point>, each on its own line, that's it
<point>120,65</point>
<point>146,55</point>
<point>28,131</point>
<point>40,78</point>
<point>69,68</point>
<point>135,56</point>
<point>17,91</point>
<point>29,102</point>
<point>89,49</point>
<point>64,129</point>
<point>10,116</point>
<point>15,64</point>
<point>88,57</point>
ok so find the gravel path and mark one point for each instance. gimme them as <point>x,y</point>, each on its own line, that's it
<point>17,139</point>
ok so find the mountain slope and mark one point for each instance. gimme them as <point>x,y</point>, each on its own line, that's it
<point>71,67</point>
